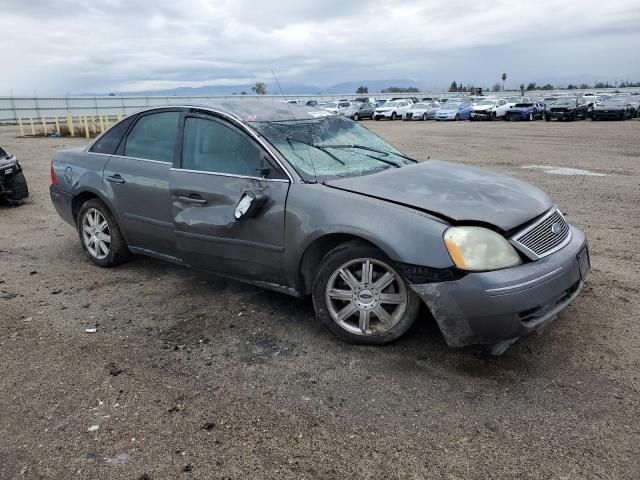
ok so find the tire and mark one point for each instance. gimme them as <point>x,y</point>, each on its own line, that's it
<point>531,117</point>
<point>457,117</point>
<point>593,118</point>
<point>394,116</point>
<point>89,233</point>
<point>424,117</point>
<point>351,257</point>
<point>547,118</point>
<point>494,116</point>
<point>376,118</point>
<point>356,117</point>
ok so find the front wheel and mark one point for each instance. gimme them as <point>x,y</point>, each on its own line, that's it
<point>457,117</point>
<point>356,117</point>
<point>547,118</point>
<point>531,117</point>
<point>100,234</point>
<point>361,296</point>
<point>394,116</point>
<point>424,117</point>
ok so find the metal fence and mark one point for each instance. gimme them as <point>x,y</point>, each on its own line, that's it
<point>13,109</point>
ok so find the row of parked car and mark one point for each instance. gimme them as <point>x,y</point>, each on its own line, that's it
<point>565,107</point>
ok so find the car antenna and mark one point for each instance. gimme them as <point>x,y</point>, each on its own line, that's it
<point>315,174</point>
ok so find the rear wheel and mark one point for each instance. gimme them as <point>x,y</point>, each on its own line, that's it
<point>100,234</point>
<point>361,296</point>
<point>394,116</point>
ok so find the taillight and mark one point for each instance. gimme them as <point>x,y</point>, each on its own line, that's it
<point>54,180</point>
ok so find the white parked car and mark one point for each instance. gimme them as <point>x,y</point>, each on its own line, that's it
<point>490,109</point>
<point>335,107</point>
<point>422,111</point>
<point>392,109</point>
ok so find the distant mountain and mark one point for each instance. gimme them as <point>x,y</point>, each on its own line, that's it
<point>272,89</point>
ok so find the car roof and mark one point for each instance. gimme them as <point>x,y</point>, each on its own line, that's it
<point>266,110</point>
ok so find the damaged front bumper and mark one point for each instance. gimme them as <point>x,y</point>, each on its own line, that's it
<point>13,185</point>
<point>497,308</point>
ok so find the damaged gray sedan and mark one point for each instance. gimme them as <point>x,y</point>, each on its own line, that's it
<point>312,204</point>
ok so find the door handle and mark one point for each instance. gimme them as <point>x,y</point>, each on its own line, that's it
<point>194,199</point>
<point>115,178</point>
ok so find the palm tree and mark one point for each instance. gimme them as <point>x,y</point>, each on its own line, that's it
<point>504,79</point>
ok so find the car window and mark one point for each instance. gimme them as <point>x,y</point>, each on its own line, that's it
<point>108,143</point>
<point>212,146</point>
<point>154,137</point>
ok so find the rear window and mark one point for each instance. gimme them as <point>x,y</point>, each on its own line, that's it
<point>108,143</point>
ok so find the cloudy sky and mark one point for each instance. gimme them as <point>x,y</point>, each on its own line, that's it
<point>72,46</point>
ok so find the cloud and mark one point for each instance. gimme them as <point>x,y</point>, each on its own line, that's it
<point>78,46</point>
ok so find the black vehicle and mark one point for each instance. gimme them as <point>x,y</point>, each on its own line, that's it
<point>13,185</point>
<point>567,108</point>
<point>617,108</point>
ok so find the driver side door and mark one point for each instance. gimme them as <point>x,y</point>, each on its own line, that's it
<point>220,165</point>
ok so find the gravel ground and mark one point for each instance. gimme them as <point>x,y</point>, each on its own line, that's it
<point>193,376</point>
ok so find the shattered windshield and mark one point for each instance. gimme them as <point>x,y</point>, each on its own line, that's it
<point>330,147</point>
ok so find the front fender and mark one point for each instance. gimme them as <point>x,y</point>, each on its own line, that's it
<point>405,235</point>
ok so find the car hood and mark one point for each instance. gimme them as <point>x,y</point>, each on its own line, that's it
<point>482,108</point>
<point>611,107</point>
<point>456,192</point>
<point>521,109</point>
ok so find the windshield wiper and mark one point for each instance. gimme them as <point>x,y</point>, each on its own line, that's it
<point>364,147</point>
<point>321,148</point>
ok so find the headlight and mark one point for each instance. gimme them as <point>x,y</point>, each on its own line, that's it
<point>479,249</point>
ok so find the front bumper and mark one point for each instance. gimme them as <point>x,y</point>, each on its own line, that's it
<point>562,114</point>
<point>516,116</point>
<point>496,308</point>
<point>482,115</point>
<point>608,114</point>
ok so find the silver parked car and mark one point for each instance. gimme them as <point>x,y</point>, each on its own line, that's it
<point>308,203</point>
<point>422,111</point>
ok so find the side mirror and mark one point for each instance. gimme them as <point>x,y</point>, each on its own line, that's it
<point>250,203</point>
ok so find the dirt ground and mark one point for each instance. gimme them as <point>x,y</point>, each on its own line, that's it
<point>193,376</point>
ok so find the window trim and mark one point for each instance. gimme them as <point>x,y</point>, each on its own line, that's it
<point>241,130</point>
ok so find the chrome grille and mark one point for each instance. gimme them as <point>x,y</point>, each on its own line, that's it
<point>548,235</point>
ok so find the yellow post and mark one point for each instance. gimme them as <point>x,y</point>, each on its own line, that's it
<point>119,116</point>
<point>44,125</point>
<point>70,124</point>
<point>86,126</point>
<point>21,127</point>
<point>101,123</point>
<point>33,128</point>
<point>57,126</point>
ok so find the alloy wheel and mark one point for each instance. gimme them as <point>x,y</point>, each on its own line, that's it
<point>96,234</point>
<point>366,296</point>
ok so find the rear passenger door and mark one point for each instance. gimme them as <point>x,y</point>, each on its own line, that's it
<point>221,164</point>
<point>137,180</point>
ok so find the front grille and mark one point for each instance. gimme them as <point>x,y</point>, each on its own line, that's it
<point>546,236</point>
